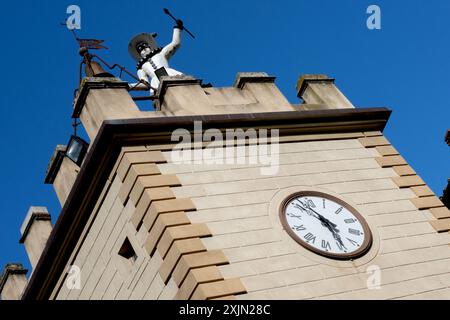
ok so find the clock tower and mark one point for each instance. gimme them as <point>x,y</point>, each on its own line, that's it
<point>237,193</point>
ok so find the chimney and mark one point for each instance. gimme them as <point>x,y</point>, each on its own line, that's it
<point>320,89</point>
<point>35,230</point>
<point>13,282</point>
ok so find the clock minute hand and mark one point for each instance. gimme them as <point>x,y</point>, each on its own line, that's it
<point>331,226</point>
<point>322,218</point>
<point>325,222</point>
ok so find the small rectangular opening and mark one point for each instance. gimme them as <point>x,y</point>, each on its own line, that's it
<point>127,251</point>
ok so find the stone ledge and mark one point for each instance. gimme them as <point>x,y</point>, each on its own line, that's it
<point>302,83</point>
<point>254,77</point>
<point>89,83</point>
<point>11,268</point>
<point>174,81</point>
<point>34,213</point>
<point>55,163</point>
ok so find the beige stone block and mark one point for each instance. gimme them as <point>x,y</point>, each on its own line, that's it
<point>404,170</point>
<point>440,213</point>
<point>439,294</point>
<point>387,151</point>
<point>117,229</point>
<point>415,242</point>
<point>399,218</point>
<point>162,222</point>
<point>103,207</point>
<point>181,232</point>
<point>321,136</point>
<point>206,291</point>
<point>195,277</point>
<point>265,265</point>
<point>417,270</point>
<point>155,289</point>
<point>360,186</point>
<point>36,229</point>
<point>137,170</point>
<point>13,282</point>
<point>165,206</point>
<point>65,179</point>
<point>404,230</point>
<point>266,250</point>
<point>378,208</point>
<point>119,158</point>
<point>146,277</point>
<point>104,104</point>
<point>321,287</point>
<point>113,287</point>
<point>410,257</point>
<point>282,278</point>
<point>228,213</point>
<point>320,145</point>
<point>229,200</point>
<point>390,161</point>
<point>441,225</point>
<point>143,182</point>
<point>242,239</point>
<point>374,141</point>
<point>197,260</point>
<point>380,196</point>
<point>408,181</point>
<point>90,283</point>
<point>100,230</point>
<point>179,248</point>
<point>130,158</point>
<point>189,191</point>
<point>422,191</point>
<point>284,171</point>
<point>427,202</point>
<point>321,90</point>
<point>372,133</point>
<point>354,181</point>
<point>169,291</point>
<point>149,195</point>
<point>397,290</point>
<point>240,225</point>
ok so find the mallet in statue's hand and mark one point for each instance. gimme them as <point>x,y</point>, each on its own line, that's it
<point>179,22</point>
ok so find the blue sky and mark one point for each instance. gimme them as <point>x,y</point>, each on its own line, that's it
<point>404,66</point>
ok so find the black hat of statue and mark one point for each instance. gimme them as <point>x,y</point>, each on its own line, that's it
<point>139,40</point>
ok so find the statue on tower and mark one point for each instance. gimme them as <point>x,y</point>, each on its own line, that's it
<point>152,60</point>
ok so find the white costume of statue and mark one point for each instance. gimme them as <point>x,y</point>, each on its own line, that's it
<point>152,58</point>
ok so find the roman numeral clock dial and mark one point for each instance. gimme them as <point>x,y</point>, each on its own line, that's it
<point>326,225</point>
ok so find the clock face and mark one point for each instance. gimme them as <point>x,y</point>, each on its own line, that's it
<point>326,225</point>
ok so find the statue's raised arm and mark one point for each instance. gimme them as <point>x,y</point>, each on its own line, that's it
<point>172,47</point>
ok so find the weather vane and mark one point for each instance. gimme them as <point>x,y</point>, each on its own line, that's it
<point>152,60</point>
